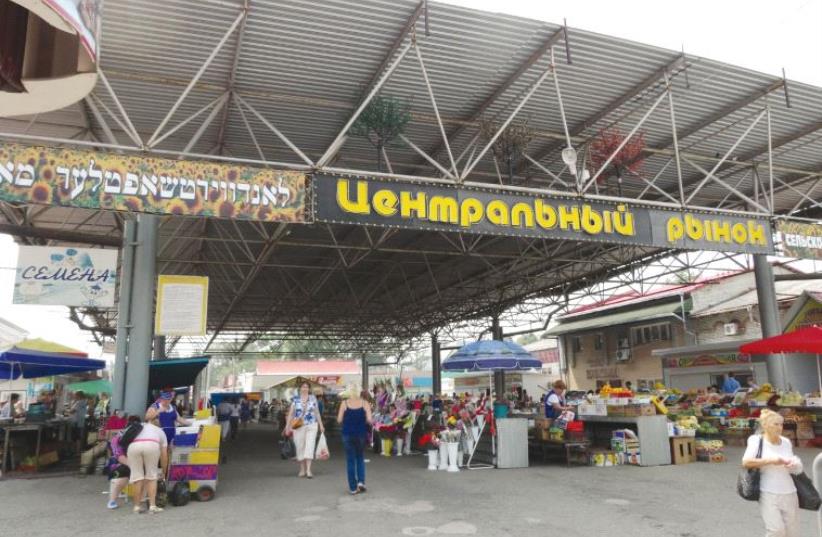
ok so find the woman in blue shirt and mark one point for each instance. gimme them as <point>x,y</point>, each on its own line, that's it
<point>303,422</point>
<point>355,417</point>
<point>166,414</point>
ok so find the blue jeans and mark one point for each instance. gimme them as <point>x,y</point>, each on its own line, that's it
<point>354,459</point>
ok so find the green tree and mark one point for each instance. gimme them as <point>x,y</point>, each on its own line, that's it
<point>527,339</point>
<point>383,120</point>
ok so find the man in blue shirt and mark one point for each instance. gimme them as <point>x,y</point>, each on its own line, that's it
<point>731,385</point>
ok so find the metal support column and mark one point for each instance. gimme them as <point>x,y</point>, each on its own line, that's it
<point>123,314</point>
<point>142,315</point>
<point>499,375</point>
<point>436,366</point>
<point>365,385</point>
<point>769,316</point>
<point>160,348</point>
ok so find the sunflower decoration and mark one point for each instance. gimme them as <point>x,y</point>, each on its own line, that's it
<point>177,207</point>
<point>107,201</point>
<point>131,204</point>
<point>41,192</point>
<point>226,209</point>
<point>262,213</point>
<point>47,172</point>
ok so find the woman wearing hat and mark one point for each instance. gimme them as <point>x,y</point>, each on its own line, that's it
<point>166,414</point>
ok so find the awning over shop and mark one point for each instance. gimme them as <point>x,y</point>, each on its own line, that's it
<point>175,373</point>
<point>695,350</point>
<point>219,397</point>
<point>623,317</point>
<point>805,340</point>
<point>295,382</point>
<point>43,345</point>
<point>30,364</point>
<point>91,386</point>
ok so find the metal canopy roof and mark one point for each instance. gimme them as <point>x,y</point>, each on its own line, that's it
<point>304,66</point>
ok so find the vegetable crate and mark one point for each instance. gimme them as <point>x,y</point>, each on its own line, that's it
<point>683,450</point>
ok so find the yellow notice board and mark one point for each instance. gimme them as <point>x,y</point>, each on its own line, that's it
<point>182,306</point>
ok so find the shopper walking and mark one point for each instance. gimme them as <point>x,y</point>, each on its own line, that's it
<point>148,450</point>
<point>778,500</point>
<point>245,413</point>
<point>355,416</point>
<point>235,418</point>
<point>303,422</point>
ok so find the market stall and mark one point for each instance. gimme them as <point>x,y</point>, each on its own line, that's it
<point>509,443</point>
<point>41,427</point>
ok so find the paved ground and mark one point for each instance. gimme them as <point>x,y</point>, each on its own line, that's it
<point>259,494</point>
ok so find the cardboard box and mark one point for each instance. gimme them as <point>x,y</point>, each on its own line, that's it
<point>616,410</point>
<point>50,457</point>
<point>542,423</point>
<point>596,409</point>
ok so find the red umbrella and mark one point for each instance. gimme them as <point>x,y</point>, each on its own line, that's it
<point>807,340</point>
<point>804,340</point>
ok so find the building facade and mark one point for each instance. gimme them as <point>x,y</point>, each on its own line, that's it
<point>683,336</point>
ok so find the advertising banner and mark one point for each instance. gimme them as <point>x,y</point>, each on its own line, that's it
<point>65,276</point>
<point>495,211</point>
<point>182,306</point>
<point>704,360</point>
<point>97,180</point>
<point>799,240</point>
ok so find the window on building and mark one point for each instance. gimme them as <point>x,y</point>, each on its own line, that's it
<point>649,333</point>
<point>576,343</point>
<point>599,342</point>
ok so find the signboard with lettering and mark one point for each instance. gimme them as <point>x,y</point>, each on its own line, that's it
<point>800,240</point>
<point>97,180</point>
<point>704,360</point>
<point>63,276</point>
<point>182,305</point>
<point>608,372</point>
<point>496,211</point>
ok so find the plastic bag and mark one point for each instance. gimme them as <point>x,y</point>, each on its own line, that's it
<point>322,453</point>
<point>564,419</point>
<point>287,448</point>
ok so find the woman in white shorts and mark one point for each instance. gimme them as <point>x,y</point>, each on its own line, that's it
<point>145,453</point>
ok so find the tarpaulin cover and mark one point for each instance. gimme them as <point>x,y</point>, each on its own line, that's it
<point>491,355</point>
<point>175,373</point>
<point>805,340</point>
<point>30,364</point>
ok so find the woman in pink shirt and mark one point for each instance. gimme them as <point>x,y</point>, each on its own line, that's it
<point>145,452</point>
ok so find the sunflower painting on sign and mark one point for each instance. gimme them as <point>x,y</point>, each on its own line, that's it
<point>97,180</point>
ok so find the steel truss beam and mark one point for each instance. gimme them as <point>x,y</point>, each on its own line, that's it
<point>480,110</point>
<point>670,69</point>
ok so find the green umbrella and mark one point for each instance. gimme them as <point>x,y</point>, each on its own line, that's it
<point>91,386</point>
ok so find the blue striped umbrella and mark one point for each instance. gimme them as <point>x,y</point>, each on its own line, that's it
<point>491,356</point>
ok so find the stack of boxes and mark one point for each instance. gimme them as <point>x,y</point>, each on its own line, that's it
<point>625,445</point>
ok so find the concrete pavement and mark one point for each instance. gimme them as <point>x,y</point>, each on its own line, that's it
<point>259,494</point>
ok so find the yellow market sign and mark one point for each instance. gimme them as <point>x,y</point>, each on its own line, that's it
<point>123,182</point>
<point>803,241</point>
<point>182,305</point>
<point>495,211</point>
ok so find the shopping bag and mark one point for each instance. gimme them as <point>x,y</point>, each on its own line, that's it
<point>747,482</point>
<point>808,495</point>
<point>564,419</point>
<point>322,453</point>
<point>287,448</point>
